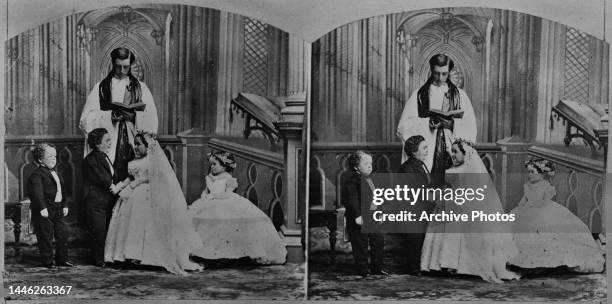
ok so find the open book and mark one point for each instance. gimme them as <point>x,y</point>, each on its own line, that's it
<point>139,106</point>
<point>589,118</point>
<point>447,114</point>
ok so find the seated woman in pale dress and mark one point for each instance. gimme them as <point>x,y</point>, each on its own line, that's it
<point>474,247</point>
<point>229,225</point>
<point>547,234</point>
<point>150,224</point>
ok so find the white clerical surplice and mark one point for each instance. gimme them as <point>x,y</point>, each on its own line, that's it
<point>411,124</point>
<point>92,117</point>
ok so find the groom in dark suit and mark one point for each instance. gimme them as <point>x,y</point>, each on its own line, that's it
<point>99,176</point>
<point>416,149</point>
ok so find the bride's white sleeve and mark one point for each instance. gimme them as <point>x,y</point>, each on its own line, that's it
<point>92,117</point>
<point>465,127</point>
<point>140,179</point>
<point>147,120</point>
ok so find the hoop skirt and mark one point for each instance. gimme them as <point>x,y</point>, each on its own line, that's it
<point>474,247</point>
<point>231,227</point>
<point>548,235</point>
<point>133,233</point>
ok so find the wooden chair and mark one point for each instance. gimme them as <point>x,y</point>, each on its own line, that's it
<point>323,211</point>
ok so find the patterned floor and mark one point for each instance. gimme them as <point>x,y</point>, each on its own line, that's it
<point>236,280</point>
<point>331,277</point>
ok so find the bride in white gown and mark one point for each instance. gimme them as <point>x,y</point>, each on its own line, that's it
<point>150,224</point>
<point>473,247</point>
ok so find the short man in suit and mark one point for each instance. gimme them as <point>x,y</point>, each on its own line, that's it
<point>47,194</point>
<point>361,168</point>
<point>417,177</point>
<point>99,201</point>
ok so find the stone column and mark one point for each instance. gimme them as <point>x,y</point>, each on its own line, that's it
<point>194,142</point>
<point>299,66</point>
<point>291,130</point>
<point>291,126</point>
<point>514,154</point>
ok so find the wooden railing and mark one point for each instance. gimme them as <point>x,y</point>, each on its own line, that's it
<point>578,179</point>
<point>579,182</point>
<point>328,166</point>
<point>260,172</point>
<point>260,176</point>
<point>19,164</point>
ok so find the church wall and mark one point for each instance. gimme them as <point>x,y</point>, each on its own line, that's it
<point>192,71</point>
<point>358,82</point>
<point>573,65</point>
<point>513,70</point>
<point>195,61</point>
<point>46,82</point>
<point>512,86</point>
<point>191,58</point>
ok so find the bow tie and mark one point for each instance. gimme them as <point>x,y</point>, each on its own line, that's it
<point>50,170</point>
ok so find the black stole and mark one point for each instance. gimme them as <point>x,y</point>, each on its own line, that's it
<point>441,158</point>
<point>124,152</point>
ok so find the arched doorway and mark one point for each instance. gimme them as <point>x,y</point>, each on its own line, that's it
<point>459,33</point>
<point>140,29</point>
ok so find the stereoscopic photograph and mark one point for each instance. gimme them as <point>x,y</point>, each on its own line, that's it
<point>457,97</point>
<point>153,151</point>
<point>305,150</point>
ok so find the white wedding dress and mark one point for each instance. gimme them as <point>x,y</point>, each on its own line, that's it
<point>151,224</point>
<point>473,247</point>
